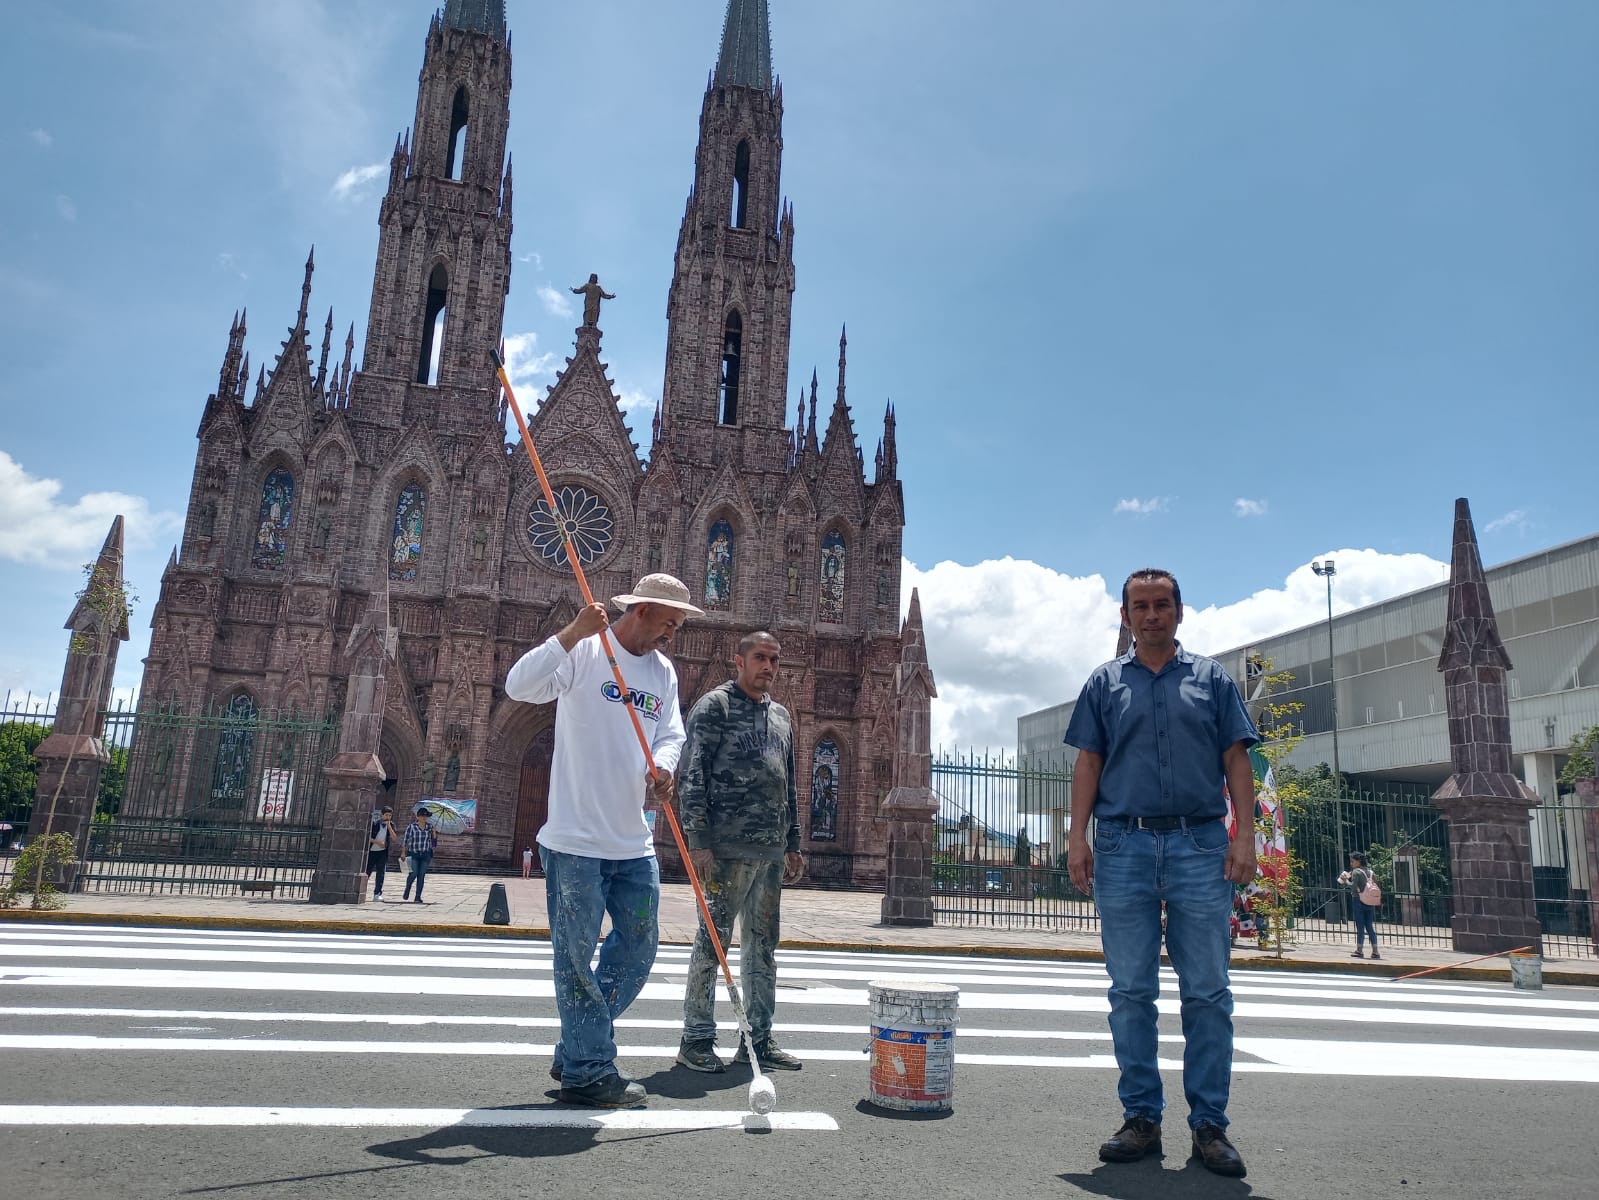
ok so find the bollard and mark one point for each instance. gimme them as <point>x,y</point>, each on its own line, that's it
<point>498,910</point>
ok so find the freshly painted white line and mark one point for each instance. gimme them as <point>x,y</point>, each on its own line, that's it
<point>1282,1056</point>
<point>673,970</point>
<point>1420,1060</point>
<point>536,988</point>
<point>415,1020</point>
<point>410,1118</point>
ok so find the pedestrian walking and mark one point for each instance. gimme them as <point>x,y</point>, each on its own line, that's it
<point>1163,740</point>
<point>383,836</point>
<point>420,841</point>
<point>1358,877</point>
<point>527,862</point>
<point>597,847</point>
<point>740,815</point>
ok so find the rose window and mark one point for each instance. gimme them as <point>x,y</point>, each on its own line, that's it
<point>579,515</point>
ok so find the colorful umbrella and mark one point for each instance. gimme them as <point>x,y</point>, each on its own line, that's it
<point>446,817</point>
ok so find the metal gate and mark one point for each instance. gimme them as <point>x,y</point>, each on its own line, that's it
<point>201,801</point>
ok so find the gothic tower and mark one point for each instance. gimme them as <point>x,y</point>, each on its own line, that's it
<point>444,251</point>
<point>770,526</point>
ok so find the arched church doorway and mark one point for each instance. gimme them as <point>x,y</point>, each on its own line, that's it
<point>533,796</point>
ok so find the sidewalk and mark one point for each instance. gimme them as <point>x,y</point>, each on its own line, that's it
<point>812,920</point>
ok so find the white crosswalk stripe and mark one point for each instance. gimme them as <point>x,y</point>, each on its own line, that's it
<point>80,990</point>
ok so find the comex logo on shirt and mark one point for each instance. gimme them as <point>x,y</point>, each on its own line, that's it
<point>647,704</point>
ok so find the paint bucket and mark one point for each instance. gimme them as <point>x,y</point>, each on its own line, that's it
<point>1526,971</point>
<point>913,1045</point>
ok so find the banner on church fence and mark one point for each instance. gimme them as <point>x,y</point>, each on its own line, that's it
<point>277,792</point>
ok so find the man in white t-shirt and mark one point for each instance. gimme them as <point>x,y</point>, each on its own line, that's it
<point>597,848</point>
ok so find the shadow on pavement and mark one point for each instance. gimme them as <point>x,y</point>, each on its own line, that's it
<point>1148,1180</point>
<point>867,1109</point>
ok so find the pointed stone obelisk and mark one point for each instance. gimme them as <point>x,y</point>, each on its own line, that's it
<point>1488,808</point>
<point>911,806</point>
<point>1124,641</point>
<point>354,774</point>
<point>71,758</point>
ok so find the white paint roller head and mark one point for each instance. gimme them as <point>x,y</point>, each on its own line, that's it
<point>763,1096</point>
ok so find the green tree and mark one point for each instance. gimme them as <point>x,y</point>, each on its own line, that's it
<point>1581,763</point>
<point>19,770</point>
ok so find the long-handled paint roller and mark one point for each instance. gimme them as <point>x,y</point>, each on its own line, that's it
<point>763,1096</point>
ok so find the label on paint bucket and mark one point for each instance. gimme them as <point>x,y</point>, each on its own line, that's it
<point>914,1065</point>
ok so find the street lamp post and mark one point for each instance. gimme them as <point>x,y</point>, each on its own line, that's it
<point>1327,570</point>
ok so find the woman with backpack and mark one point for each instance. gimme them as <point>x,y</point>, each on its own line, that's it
<point>1364,896</point>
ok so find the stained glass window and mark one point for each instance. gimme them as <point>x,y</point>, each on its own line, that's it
<point>824,791</point>
<point>830,605</point>
<point>719,567</point>
<point>580,515</point>
<point>230,781</point>
<point>272,529</point>
<point>406,547</point>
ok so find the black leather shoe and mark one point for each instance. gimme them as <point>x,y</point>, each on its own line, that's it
<point>1216,1153</point>
<point>1138,1137</point>
<point>608,1091</point>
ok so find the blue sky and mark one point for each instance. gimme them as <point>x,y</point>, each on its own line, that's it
<point>1226,287</point>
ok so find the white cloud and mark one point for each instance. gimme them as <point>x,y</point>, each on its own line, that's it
<point>42,137</point>
<point>1516,519</point>
<point>556,302</point>
<point>534,257</point>
<point>1249,508</point>
<point>530,369</point>
<point>1142,508</point>
<point>1009,636</point>
<point>229,262</point>
<point>38,529</point>
<point>66,208</point>
<point>351,184</point>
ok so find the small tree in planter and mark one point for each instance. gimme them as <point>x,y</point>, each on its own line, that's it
<point>37,869</point>
<point>1277,899</point>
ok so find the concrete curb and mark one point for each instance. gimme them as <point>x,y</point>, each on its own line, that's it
<point>1574,978</point>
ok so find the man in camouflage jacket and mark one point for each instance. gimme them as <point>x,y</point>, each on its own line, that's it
<point>740,817</point>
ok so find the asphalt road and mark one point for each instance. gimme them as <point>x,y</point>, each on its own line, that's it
<point>163,1063</point>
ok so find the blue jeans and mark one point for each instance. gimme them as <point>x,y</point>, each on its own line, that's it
<point>1365,925</point>
<point>1135,872</point>
<point>418,873</point>
<point>752,891</point>
<point>579,891</point>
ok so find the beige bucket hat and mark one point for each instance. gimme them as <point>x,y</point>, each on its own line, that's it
<point>659,589</point>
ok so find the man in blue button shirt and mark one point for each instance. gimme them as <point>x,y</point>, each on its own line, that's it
<point>1163,740</point>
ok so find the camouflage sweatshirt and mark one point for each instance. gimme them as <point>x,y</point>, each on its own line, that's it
<point>736,787</point>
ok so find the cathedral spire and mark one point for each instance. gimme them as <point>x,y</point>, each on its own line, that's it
<point>746,55</point>
<point>843,344</point>
<point>322,365</point>
<point>305,290</point>
<point>888,453</point>
<point>811,444</point>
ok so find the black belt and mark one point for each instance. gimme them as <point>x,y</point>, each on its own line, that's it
<point>1161,824</point>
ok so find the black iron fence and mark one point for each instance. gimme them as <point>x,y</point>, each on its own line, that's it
<point>190,801</point>
<point>1000,858</point>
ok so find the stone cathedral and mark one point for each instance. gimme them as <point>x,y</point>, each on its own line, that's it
<point>320,484</point>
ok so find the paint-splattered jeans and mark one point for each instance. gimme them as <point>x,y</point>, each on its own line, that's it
<point>1135,870</point>
<point>752,891</point>
<point>579,892</point>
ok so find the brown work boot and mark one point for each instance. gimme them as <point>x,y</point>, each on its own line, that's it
<point>1215,1152</point>
<point>1138,1137</point>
